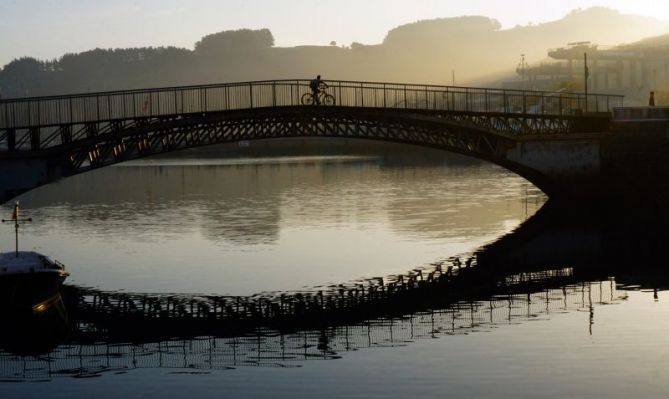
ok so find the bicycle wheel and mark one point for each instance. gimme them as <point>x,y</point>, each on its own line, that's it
<point>328,99</point>
<point>307,99</point>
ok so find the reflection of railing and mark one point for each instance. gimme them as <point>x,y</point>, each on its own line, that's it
<point>164,316</point>
<point>175,101</point>
<point>269,309</point>
<point>274,348</point>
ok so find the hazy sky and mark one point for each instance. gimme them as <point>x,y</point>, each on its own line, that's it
<point>49,28</point>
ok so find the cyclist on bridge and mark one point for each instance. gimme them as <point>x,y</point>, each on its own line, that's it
<point>317,94</point>
<point>315,86</point>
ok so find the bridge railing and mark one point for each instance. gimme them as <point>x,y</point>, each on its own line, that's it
<point>148,103</point>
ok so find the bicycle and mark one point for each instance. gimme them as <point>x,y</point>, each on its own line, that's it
<point>322,98</point>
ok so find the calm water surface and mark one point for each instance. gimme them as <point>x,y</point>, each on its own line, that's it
<point>575,309</point>
<point>243,226</point>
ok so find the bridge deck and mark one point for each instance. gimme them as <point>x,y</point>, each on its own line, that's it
<point>26,113</point>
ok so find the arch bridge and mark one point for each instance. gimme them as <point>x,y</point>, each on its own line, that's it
<point>549,138</point>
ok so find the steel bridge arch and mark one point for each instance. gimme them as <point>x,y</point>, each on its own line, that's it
<point>475,135</point>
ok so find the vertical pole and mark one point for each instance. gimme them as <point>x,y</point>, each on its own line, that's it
<point>201,102</point>
<point>339,91</point>
<point>427,99</point>
<point>362,95</point>
<point>524,103</point>
<point>467,99</point>
<point>405,97</point>
<point>274,94</point>
<point>227,98</point>
<point>384,95</point>
<point>485,94</point>
<point>585,76</point>
<point>16,237</point>
<point>16,228</point>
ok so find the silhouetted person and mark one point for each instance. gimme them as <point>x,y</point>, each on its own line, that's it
<point>315,86</point>
<point>651,99</point>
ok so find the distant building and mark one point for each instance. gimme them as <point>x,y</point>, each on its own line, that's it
<point>630,69</point>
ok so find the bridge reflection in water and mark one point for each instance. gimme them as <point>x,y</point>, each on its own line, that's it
<point>120,343</point>
<point>505,283</point>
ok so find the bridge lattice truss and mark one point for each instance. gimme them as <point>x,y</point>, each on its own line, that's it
<point>466,134</point>
<point>100,128</point>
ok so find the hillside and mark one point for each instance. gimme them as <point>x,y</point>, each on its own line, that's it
<point>473,47</point>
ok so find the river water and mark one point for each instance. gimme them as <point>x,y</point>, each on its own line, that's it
<point>564,316</point>
<point>204,224</point>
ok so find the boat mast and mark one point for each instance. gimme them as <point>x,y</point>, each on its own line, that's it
<point>16,219</point>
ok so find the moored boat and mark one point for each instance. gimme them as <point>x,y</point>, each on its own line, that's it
<point>28,278</point>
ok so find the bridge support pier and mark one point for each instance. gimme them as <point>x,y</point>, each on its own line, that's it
<point>626,166</point>
<point>19,176</point>
<point>559,167</point>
